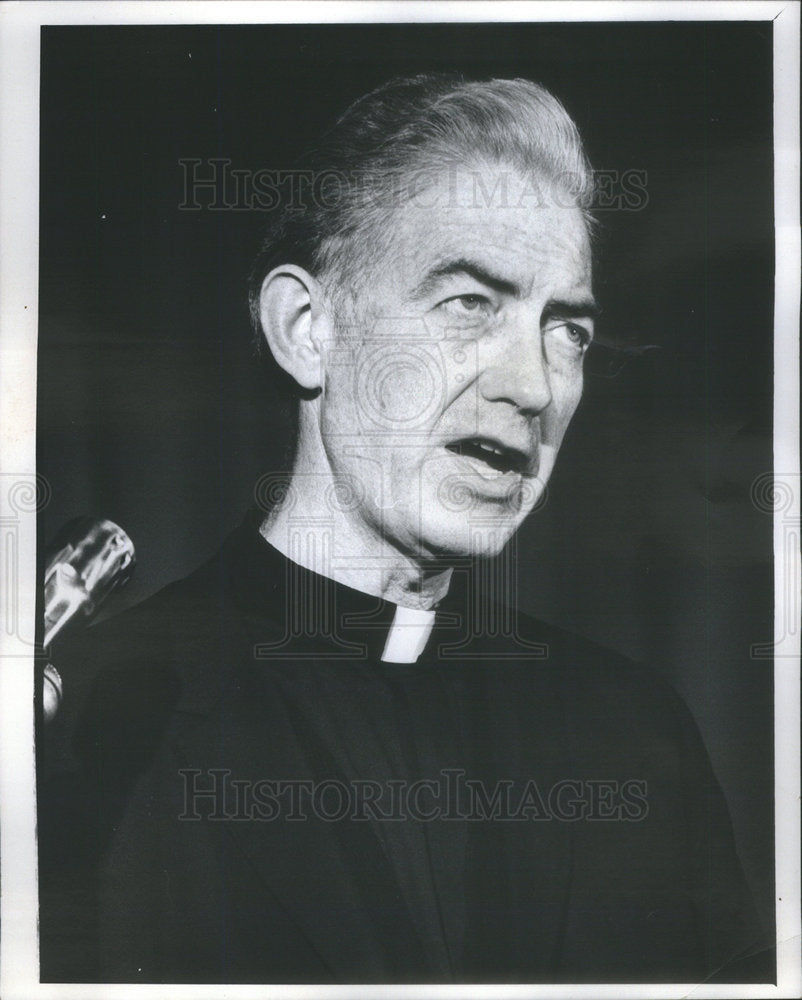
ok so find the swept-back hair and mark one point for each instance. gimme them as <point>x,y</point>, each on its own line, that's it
<point>412,124</point>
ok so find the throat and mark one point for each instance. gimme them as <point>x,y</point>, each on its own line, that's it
<point>380,571</point>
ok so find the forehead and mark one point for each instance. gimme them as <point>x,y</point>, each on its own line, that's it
<point>520,227</point>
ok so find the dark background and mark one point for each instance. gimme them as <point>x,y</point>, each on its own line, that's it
<point>152,412</point>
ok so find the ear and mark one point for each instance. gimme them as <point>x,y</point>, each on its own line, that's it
<point>295,323</point>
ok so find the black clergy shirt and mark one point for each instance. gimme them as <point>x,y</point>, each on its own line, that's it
<point>239,789</point>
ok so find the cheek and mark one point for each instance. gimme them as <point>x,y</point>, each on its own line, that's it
<point>566,394</point>
<point>339,419</point>
<point>399,387</point>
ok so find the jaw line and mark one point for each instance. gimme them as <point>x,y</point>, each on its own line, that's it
<point>548,456</point>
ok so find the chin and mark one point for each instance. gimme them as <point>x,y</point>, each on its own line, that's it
<point>448,537</point>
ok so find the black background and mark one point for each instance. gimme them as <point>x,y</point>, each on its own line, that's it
<point>152,412</point>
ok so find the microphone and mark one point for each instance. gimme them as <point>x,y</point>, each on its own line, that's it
<point>86,561</point>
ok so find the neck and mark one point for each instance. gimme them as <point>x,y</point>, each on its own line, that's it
<point>312,529</point>
<point>351,558</point>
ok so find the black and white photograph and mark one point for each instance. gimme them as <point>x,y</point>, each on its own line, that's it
<point>413,530</point>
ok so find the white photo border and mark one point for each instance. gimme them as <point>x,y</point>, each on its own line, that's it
<point>21,492</point>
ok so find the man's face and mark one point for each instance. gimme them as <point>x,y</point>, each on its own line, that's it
<point>445,405</point>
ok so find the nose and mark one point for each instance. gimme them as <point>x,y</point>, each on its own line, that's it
<point>514,369</point>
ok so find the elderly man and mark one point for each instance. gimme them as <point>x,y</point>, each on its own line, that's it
<point>330,754</point>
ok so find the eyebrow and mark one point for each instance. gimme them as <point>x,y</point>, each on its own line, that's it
<point>585,308</point>
<point>464,266</point>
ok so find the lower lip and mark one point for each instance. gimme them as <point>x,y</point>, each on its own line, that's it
<point>485,481</point>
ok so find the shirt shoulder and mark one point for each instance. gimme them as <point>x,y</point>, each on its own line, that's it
<point>601,683</point>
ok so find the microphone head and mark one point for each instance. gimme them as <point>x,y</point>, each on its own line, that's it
<point>87,560</point>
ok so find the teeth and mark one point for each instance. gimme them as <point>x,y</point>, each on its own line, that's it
<point>496,456</point>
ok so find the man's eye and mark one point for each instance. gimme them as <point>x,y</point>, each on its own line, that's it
<point>570,336</point>
<point>462,305</point>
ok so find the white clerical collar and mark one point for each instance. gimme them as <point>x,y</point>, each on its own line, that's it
<point>410,628</point>
<point>408,634</point>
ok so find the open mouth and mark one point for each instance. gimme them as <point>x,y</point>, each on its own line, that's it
<point>494,454</point>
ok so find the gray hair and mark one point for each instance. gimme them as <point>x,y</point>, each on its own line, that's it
<point>408,124</point>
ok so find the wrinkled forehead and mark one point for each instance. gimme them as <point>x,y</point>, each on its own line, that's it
<point>528,226</point>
